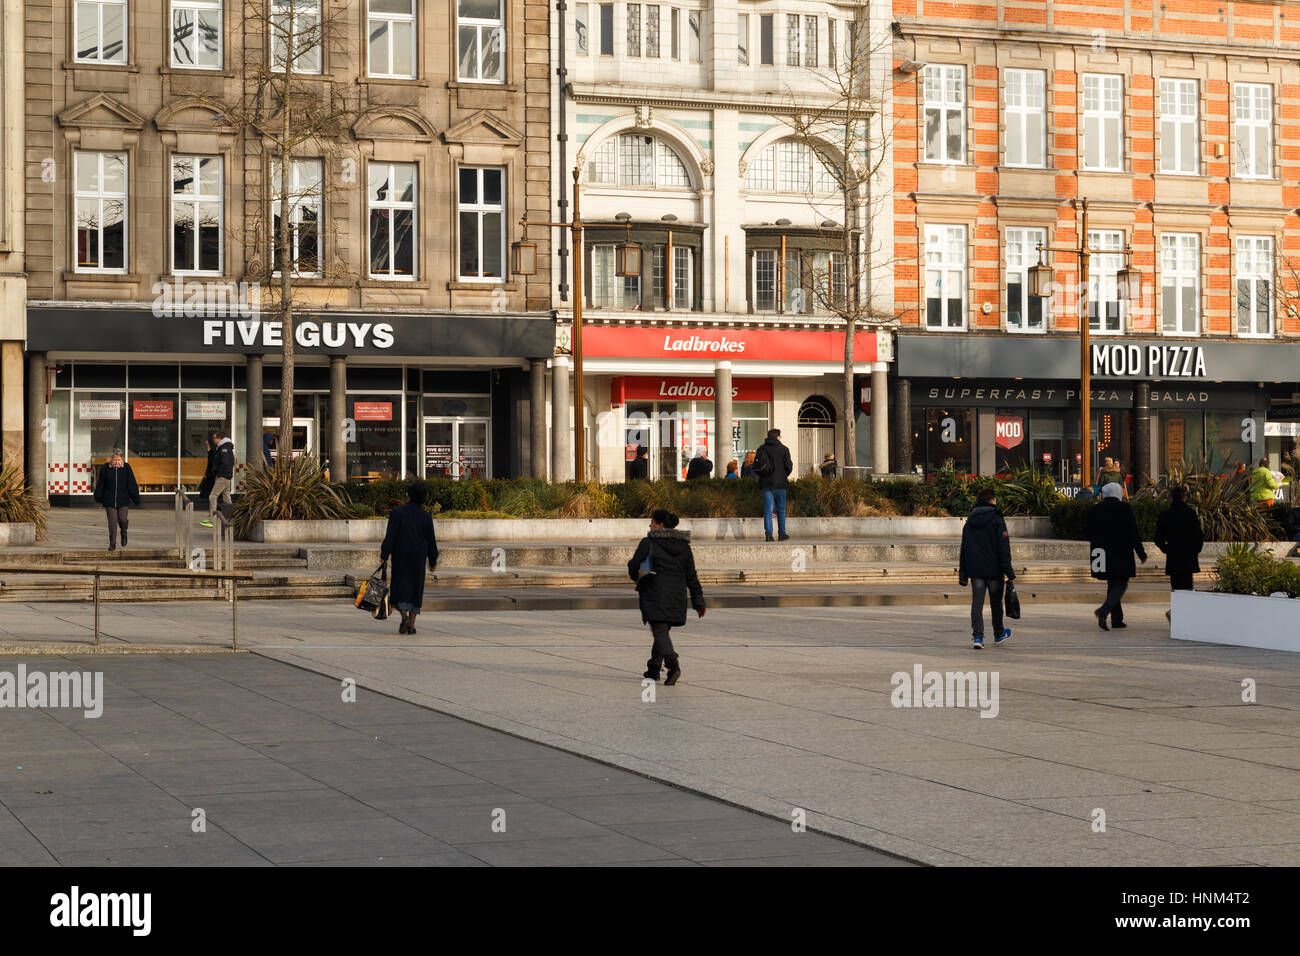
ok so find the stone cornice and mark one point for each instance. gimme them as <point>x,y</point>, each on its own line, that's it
<point>607,94</point>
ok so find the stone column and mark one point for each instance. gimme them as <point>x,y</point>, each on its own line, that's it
<point>879,418</point>
<point>537,417</point>
<point>253,428</point>
<point>561,429</point>
<point>37,473</point>
<point>338,445</point>
<point>722,417</point>
<point>902,427</point>
<point>1142,434</point>
<point>11,403</point>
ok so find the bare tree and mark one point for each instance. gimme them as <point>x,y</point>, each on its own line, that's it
<point>847,128</point>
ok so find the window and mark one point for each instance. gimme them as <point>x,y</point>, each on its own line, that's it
<point>392,220</point>
<point>677,52</point>
<point>482,41</point>
<point>633,29</point>
<point>1178,126</point>
<point>196,214</point>
<point>761,175</point>
<point>742,39</point>
<point>945,277</point>
<point>1026,103</point>
<point>1105,306</point>
<point>764,281</point>
<point>101,212</point>
<point>101,31</point>
<point>683,277</point>
<point>1025,313</point>
<point>765,41</point>
<point>580,28</point>
<point>791,166</point>
<point>304,204</point>
<point>1103,127</point>
<point>831,31</point>
<point>1254,285</point>
<point>1254,112</point>
<point>607,29</point>
<point>608,290</point>
<point>482,222</point>
<point>793,39</point>
<point>945,114</point>
<point>392,38</point>
<point>635,159</point>
<point>196,34</point>
<point>1180,271</point>
<point>809,41</point>
<point>694,21</point>
<point>652,31</point>
<point>296,35</point>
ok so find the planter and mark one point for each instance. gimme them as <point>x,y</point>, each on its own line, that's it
<point>18,534</point>
<point>1245,620</point>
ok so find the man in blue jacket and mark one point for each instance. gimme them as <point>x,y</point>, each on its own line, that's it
<point>985,561</point>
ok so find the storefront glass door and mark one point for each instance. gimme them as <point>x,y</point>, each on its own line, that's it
<point>456,448</point>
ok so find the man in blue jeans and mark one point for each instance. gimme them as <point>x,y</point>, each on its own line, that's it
<point>985,561</point>
<point>773,465</point>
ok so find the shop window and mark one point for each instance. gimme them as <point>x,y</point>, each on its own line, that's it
<point>201,414</point>
<point>1254,285</point>
<point>101,207</point>
<point>942,435</point>
<point>101,31</point>
<point>1223,441</point>
<point>98,427</point>
<point>1103,122</point>
<point>1178,122</point>
<point>1180,283</point>
<point>392,220</point>
<point>296,36</point>
<point>304,202</point>
<point>1182,440</point>
<point>376,450</point>
<point>196,34</point>
<point>1011,440</point>
<point>1026,111</point>
<point>580,14</point>
<point>1025,312</point>
<point>391,28</point>
<point>482,41</point>
<point>198,220</point>
<point>945,276</point>
<point>635,159</point>
<point>1105,304</point>
<point>1111,438</point>
<point>945,114</point>
<point>482,222</point>
<point>1253,112</point>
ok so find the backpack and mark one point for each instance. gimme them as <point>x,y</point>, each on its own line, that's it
<point>763,463</point>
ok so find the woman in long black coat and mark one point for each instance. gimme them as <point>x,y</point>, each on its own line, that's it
<point>663,594</point>
<point>410,542</point>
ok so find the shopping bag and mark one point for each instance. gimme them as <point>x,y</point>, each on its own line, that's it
<point>372,596</point>
<point>1012,602</point>
<point>645,572</point>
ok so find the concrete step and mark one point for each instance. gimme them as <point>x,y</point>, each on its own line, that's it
<point>297,592</point>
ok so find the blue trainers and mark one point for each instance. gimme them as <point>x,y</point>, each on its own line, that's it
<point>977,642</point>
<point>1003,637</point>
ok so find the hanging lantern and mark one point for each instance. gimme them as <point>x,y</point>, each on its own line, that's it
<point>523,258</point>
<point>1129,280</point>
<point>627,260</point>
<point>1040,279</point>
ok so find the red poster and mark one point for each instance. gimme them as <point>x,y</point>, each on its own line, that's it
<point>156,410</point>
<point>1008,430</point>
<point>372,411</point>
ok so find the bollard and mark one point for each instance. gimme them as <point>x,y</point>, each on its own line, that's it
<point>97,610</point>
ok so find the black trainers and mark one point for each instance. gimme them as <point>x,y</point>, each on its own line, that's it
<point>1101,620</point>
<point>769,538</point>
<point>1116,625</point>
<point>653,675</point>
<point>673,674</point>
<point>784,537</point>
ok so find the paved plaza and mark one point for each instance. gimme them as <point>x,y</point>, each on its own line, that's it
<point>787,710</point>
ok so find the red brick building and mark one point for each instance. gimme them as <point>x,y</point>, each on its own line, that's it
<point>1177,124</point>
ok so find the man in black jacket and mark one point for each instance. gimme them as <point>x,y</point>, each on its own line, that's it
<point>1113,536</point>
<point>1179,536</point>
<point>773,465</point>
<point>221,471</point>
<point>700,466</point>
<point>985,560</point>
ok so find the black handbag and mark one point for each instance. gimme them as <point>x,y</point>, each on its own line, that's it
<point>1012,602</point>
<point>372,596</point>
<point>645,573</point>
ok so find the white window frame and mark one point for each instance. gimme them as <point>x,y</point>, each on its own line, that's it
<point>610,291</point>
<point>810,41</point>
<point>1254,265</point>
<point>304,15</point>
<point>1247,121</point>
<point>1180,269</point>
<point>374,17</point>
<point>742,39</point>
<point>195,199</point>
<point>393,206</point>
<point>1018,108</point>
<point>483,33</point>
<point>944,86</point>
<point>101,196</point>
<point>683,278</point>
<point>99,6</point>
<point>1107,84</point>
<point>607,164</point>
<point>772,256</point>
<point>632,45</point>
<point>1179,109</point>
<point>300,199</point>
<point>941,240</point>
<point>192,45</point>
<point>779,163</point>
<point>793,39</point>
<point>1021,254</point>
<point>653,18</point>
<point>1103,278</point>
<point>482,209</point>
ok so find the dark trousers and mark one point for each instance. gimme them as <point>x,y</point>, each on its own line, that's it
<point>1115,588</point>
<point>663,647</point>
<point>117,518</point>
<point>1182,581</point>
<point>978,587</point>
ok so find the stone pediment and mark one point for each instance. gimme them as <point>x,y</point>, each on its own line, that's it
<point>101,111</point>
<point>393,123</point>
<point>483,129</point>
<point>193,115</point>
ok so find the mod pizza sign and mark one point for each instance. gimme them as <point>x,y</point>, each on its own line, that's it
<point>765,345</point>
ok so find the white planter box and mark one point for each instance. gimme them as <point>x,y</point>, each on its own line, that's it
<point>1244,620</point>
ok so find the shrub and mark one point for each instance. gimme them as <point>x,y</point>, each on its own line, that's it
<point>1067,517</point>
<point>292,488</point>
<point>1244,570</point>
<point>17,502</point>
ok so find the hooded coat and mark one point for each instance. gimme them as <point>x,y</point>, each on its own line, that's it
<point>410,542</point>
<point>985,546</point>
<point>1111,526</point>
<point>1179,536</point>
<point>773,452</point>
<point>664,597</point>
<point>116,487</point>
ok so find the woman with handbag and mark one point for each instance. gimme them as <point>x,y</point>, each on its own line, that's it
<point>410,541</point>
<point>663,568</point>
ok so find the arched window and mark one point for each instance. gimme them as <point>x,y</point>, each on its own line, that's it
<point>791,167</point>
<point>817,412</point>
<point>640,160</point>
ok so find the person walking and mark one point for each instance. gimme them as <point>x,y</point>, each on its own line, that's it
<point>985,561</point>
<point>221,471</point>
<point>638,469</point>
<point>663,590</point>
<point>700,466</point>
<point>1263,483</point>
<point>117,491</point>
<point>1180,538</point>
<point>410,542</point>
<point>772,465</point>
<point>830,467</point>
<point>1112,533</point>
